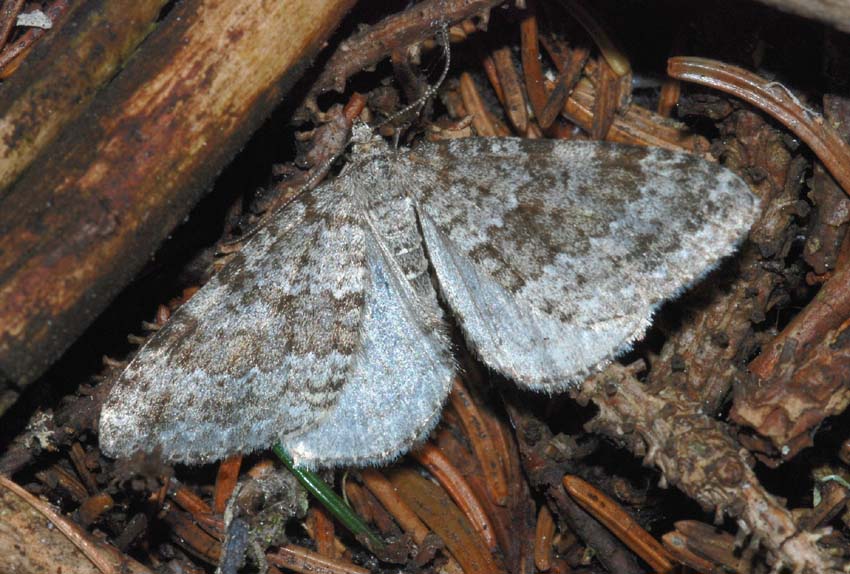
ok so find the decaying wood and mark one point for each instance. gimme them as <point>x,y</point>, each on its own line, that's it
<point>834,12</point>
<point>81,223</point>
<point>14,53</point>
<point>35,537</point>
<point>84,50</point>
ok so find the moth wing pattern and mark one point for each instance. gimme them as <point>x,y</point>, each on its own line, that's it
<point>555,256</point>
<point>310,331</point>
<point>403,374</point>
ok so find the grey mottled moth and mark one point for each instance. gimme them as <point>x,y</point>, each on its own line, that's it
<point>325,332</point>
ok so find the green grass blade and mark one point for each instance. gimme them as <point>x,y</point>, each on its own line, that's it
<point>330,500</point>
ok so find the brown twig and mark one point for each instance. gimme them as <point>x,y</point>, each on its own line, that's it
<point>698,456</point>
<point>398,31</point>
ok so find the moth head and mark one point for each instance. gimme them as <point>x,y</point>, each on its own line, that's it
<point>361,133</point>
<point>364,140</point>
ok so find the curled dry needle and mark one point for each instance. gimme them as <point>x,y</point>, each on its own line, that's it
<point>225,481</point>
<point>618,521</point>
<point>484,443</point>
<point>451,480</point>
<point>775,99</point>
<point>305,561</point>
<point>435,508</point>
<point>379,486</point>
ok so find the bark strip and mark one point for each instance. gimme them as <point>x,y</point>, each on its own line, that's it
<point>74,231</point>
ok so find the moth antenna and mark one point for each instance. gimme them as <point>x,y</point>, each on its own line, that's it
<point>431,90</point>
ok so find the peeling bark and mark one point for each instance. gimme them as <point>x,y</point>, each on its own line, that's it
<point>78,226</point>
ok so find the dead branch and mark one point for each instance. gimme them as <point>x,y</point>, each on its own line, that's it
<point>77,227</point>
<point>87,48</point>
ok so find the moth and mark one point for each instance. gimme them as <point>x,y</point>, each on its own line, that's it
<point>328,330</point>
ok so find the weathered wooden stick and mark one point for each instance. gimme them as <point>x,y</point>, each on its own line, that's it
<point>64,72</point>
<point>76,227</point>
<point>829,11</point>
